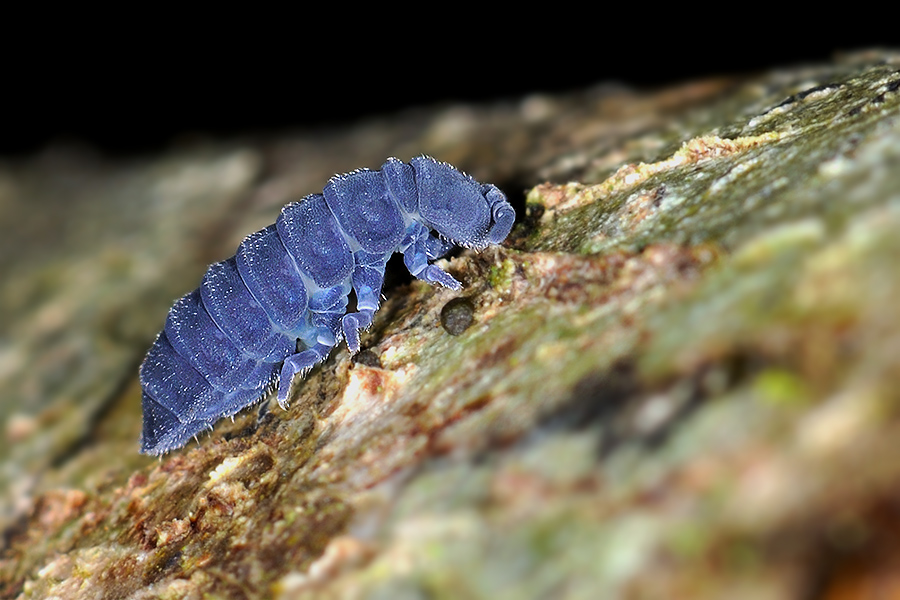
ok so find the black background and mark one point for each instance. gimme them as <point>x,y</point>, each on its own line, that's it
<point>124,93</point>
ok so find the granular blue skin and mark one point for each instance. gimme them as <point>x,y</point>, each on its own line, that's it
<point>278,306</point>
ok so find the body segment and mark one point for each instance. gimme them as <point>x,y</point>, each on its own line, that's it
<point>278,307</point>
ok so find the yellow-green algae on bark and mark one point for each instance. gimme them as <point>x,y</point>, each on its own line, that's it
<point>681,381</point>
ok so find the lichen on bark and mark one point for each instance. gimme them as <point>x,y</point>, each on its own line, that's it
<point>679,378</point>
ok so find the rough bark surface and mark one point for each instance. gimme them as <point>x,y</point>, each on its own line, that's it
<point>678,378</point>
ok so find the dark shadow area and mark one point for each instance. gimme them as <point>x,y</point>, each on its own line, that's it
<point>174,96</point>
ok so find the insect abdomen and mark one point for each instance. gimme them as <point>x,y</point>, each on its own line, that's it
<point>224,343</point>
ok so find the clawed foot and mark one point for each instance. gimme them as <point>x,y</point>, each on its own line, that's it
<point>300,363</point>
<point>351,324</point>
<point>434,274</point>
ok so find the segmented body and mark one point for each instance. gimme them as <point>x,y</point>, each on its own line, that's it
<point>278,306</point>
